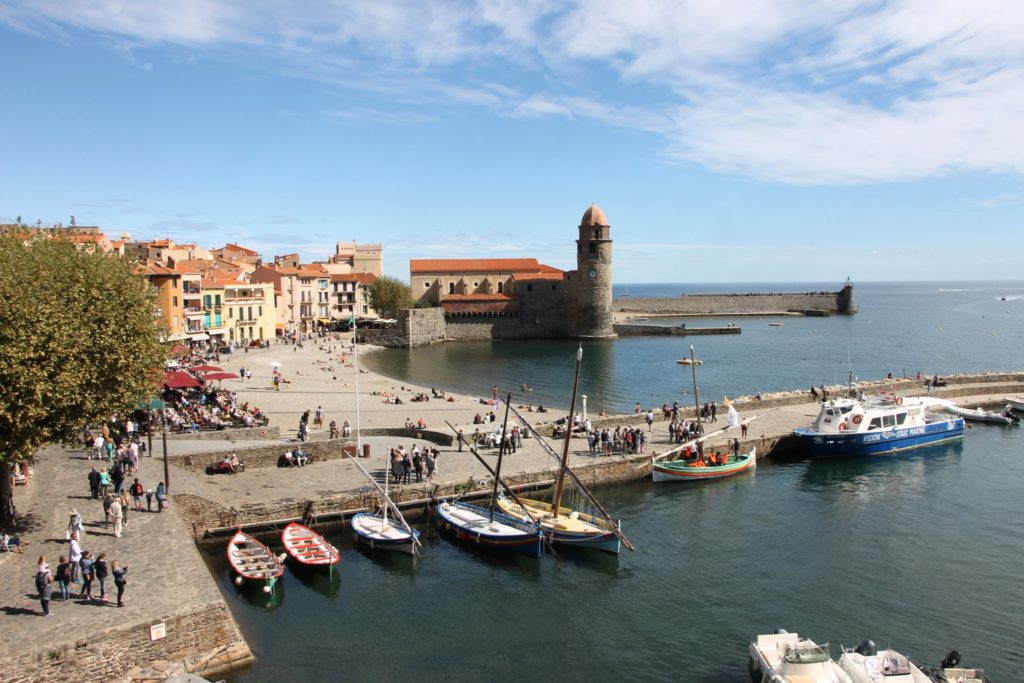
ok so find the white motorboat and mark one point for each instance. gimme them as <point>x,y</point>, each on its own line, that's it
<point>950,671</point>
<point>981,415</point>
<point>866,664</point>
<point>1016,404</point>
<point>784,657</point>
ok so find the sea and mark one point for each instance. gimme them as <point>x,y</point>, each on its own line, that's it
<point>920,551</point>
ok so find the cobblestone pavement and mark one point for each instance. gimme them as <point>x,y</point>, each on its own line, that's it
<point>166,574</point>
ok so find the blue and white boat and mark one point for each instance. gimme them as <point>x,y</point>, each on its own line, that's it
<point>492,530</point>
<point>877,425</point>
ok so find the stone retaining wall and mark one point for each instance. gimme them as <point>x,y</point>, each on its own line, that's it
<point>480,328</point>
<point>207,629</point>
<point>245,434</point>
<point>636,330</point>
<point>266,456</point>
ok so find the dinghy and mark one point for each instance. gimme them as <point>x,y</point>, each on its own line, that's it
<point>981,415</point>
<point>685,470</point>
<point>254,564</point>
<point>307,547</point>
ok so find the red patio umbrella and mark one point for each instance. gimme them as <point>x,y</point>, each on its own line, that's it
<point>176,379</point>
<point>220,375</point>
<point>207,368</point>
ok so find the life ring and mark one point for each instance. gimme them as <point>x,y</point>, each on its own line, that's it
<point>899,400</point>
<point>856,419</point>
<point>263,432</point>
<point>842,426</point>
<point>827,420</point>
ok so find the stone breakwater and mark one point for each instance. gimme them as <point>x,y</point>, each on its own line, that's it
<point>740,304</point>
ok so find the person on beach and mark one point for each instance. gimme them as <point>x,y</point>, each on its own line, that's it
<point>44,585</point>
<point>101,572</point>
<point>318,418</point>
<point>334,429</point>
<point>119,580</point>
<point>64,578</point>
<point>346,429</point>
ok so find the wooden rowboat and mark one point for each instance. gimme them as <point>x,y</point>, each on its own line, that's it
<point>307,547</point>
<point>494,531</point>
<point>253,562</point>
<point>568,527</point>
<point>682,470</point>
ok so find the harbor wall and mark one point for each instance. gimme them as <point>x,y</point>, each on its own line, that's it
<point>206,637</point>
<point>740,304</point>
<point>634,330</point>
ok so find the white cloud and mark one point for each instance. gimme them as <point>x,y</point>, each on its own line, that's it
<point>837,91</point>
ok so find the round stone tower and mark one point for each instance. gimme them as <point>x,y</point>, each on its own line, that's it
<point>593,318</point>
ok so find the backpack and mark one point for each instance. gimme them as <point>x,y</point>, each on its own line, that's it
<point>42,580</point>
<point>137,489</point>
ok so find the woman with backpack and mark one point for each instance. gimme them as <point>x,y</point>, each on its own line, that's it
<point>64,578</point>
<point>44,585</point>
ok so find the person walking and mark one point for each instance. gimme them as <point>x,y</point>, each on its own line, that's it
<point>406,468</point>
<point>86,565</point>
<point>119,580</point>
<point>125,503</point>
<point>64,578</point>
<point>431,465</point>
<point>74,524</point>
<point>101,570</point>
<point>714,412</point>
<point>74,556</point>
<point>115,516</point>
<point>137,490</point>
<point>94,484</point>
<point>104,481</point>
<point>44,584</point>
<point>108,502</point>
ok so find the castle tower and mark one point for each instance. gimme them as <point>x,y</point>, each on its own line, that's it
<point>593,315</point>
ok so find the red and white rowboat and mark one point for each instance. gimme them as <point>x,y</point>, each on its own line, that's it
<point>253,562</point>
<point>308,547</point>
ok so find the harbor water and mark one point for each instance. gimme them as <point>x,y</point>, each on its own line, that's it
<point>921,551</point>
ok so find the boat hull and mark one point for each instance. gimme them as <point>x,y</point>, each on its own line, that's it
<point>371,531</point>
<point>253,563</point>
<point>307,547</point>
<point>879,442</point>
<point>470,523</point>
<point>589,536</point>
<point>675,471</point>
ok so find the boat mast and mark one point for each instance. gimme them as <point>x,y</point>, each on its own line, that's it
<point>560,486</point>
<point>387,480</point>
<point>501,451</point>
<point>696,399</point>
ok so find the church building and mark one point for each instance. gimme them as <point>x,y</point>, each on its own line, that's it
<point>542,302</point>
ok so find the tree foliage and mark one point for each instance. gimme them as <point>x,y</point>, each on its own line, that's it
<point>79,342</point>
<point>389,295</point>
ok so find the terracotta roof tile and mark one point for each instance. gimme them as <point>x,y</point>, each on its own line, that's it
<point>467,265</point>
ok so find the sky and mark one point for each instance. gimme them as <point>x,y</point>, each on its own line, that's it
<point>768,141</point>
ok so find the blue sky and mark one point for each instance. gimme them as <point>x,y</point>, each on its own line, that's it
<point>770,141</point>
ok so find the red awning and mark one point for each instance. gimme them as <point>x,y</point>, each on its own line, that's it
<point>176,379</point>
<point>207,368</point>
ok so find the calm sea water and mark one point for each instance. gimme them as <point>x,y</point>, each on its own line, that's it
<point>921,550</point>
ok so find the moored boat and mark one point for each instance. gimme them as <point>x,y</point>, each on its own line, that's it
<point>380,533</point>
<point>877,425</point>
<point>307,547</point>
<point>981,415</point>
<point>866,664</point>
<point>688,361</point>
<point>1015,404</point>
<point>568,527</point>
<point>950,671</point>
<point>787,658</point>
<point>492,530</point>
<point>254,564</point>
<point>683,470</point>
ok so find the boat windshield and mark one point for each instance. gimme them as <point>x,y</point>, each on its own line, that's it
<point>806,653</point>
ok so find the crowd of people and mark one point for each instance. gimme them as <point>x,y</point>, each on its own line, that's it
<point>209,408</point>
<point>419,462</point>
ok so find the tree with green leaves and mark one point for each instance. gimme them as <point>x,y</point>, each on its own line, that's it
<point>79,342</point>
<point>389,295</point>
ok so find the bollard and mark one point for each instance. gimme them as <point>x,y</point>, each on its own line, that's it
<point>366,450</point>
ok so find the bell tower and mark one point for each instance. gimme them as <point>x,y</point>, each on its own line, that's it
<point>593,318</point>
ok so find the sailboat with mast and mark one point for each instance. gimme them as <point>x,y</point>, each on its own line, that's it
<point>375,529</point>
<point>595,530</point>
<point>487,527</point>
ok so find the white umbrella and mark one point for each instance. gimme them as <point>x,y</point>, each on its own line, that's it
<point>274,363</point>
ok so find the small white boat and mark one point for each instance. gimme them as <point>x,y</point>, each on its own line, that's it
<point>784,657</point>
<point>1016,404</point>
<point>775,324</point>
<point>253,562</point>
<point>980,415</point>
<point>687,361</point>
<point>376,531</point>
<point>950,671</point>
<point>866,664</point>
